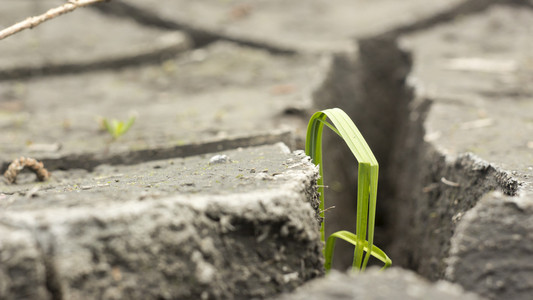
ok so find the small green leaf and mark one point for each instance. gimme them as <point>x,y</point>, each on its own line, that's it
<point>117,128</point>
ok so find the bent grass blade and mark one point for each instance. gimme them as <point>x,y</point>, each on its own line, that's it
<point>352,239</point>
<point>368,171</point>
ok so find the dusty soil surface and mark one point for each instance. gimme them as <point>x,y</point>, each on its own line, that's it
<point>478,80</point>
<point>239,171</point>
<point>305,26</point>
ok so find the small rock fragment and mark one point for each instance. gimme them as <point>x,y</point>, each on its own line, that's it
<point>219,159</point>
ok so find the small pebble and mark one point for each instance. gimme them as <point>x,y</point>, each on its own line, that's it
<point>219,159</point>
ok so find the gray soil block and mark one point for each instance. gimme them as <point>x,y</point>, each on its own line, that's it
<point>374,284</point>
<point>226,225</point>
<point>464,167</point>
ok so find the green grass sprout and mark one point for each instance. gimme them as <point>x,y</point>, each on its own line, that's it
<point>118,128</point>
<point>367,186</point>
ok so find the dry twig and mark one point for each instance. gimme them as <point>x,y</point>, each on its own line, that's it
<point>50,14</point>
<point>449,183</point>
<point>18,164</point>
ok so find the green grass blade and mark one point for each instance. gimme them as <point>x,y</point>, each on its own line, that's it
<point>374,173</point>
<point>330,127</point>
<point>352,239</point>
<point>367,175</point>
<point>313,148</point>
<point>362,212</point>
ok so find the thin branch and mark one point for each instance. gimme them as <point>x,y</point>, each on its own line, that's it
<point>50,14</point>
